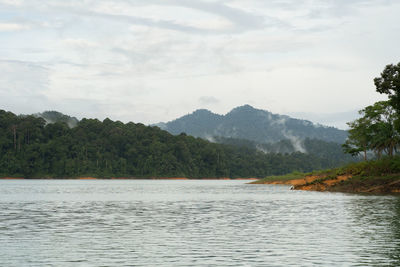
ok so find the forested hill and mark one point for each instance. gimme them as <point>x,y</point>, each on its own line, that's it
<point>32,148</point>
<point>55,116</point>
<point>257,125</point>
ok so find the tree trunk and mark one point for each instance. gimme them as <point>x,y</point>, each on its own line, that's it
<point>391,149</point>
<point>15,137</point>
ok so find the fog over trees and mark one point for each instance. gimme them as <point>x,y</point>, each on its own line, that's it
<point>32,147</point>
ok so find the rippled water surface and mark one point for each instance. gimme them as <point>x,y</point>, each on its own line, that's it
<point>192,223</point>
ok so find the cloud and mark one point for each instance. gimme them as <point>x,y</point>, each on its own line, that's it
<point>11,27</point>
<point>186,16</point>
<point>337,119</point>
<point>297,143</point>
<point>80,43</point>
<point>208,100</point>
<point>241,19</point>
<point>12,2</point>
<point>155,60</point>
<point>23,86</point>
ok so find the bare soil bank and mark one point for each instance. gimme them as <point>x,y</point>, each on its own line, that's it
<point>126,178</point>
<point>345,183</point>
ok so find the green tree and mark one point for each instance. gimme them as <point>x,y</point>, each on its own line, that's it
<point>359,137</point>
<point>374,131</point>
<point>389,83</point>
<point>382,118</point>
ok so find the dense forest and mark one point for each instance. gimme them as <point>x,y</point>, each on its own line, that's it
<point>331,152</point>
<point>33,148</point>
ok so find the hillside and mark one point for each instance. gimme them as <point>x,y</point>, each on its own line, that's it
<point>329,151</point>
<point>252,124</point>
<point>55,116</point>
<point>30,147</point>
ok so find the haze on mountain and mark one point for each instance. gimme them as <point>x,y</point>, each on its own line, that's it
<point>55,116</point>
<point>32,147</point>
<point>249,123</point>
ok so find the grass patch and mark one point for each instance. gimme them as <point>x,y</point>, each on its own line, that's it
<point>363,173</point>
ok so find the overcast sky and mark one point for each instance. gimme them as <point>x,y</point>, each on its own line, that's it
<point>155,60</point>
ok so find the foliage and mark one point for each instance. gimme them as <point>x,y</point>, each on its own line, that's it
<point>374,131</point>
<point>55,116</point>
<point>384,168</point>
<point>30,147</point>
<point>330,152</point>
<point>380,167</point>
<point>389,83</point>
<point>379,128</point>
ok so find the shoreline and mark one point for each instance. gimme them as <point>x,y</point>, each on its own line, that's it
<point>125,178</point>
<point>342,184</point>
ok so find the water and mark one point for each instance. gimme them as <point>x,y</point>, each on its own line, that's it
<point>192,223</point>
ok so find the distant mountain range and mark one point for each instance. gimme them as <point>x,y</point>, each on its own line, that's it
<point>246,122</point>
<point>43,145</point>
<point>245,130</point>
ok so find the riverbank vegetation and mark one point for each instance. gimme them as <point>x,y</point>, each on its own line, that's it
<point>378,129</point>
<point>376,176</point>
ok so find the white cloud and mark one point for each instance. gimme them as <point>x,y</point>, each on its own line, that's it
<point>22,86</point>
<point>208,100</point>
<point>154,60</point>
<point>80,43</point>
<point>11,27</point>
<point>12,2</point>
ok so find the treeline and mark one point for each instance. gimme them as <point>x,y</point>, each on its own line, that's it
<point>32,148</point>
<point>330,153</point>
<point>378,130</point>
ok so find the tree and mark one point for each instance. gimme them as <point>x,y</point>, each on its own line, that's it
<point>359,137</point>
<point>374,131</point>
<point>113,149</point>
<point>389,83</point>
<point>384,136</point>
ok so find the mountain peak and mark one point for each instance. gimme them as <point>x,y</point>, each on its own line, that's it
<point>246,107</point>
<point>247,122</point>
<point>202,111</point>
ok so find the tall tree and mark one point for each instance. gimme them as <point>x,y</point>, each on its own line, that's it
<point>384,136</point>
<point>359,137</point>
<point>374,131</point>
<point>389,83</point>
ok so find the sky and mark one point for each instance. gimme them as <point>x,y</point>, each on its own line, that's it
<point>153,61</point>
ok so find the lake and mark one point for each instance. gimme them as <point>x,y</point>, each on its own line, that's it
<point>192,223</point>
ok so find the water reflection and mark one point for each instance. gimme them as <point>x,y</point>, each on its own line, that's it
<point>395,229</point>
<point>374,222</point>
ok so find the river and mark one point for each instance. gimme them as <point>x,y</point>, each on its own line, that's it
<point>192,223</point>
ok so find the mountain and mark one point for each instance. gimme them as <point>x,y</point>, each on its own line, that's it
<point>32,148</point>
<point>328,151</point>
<point>55,116</point>
<point>246,122</point>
